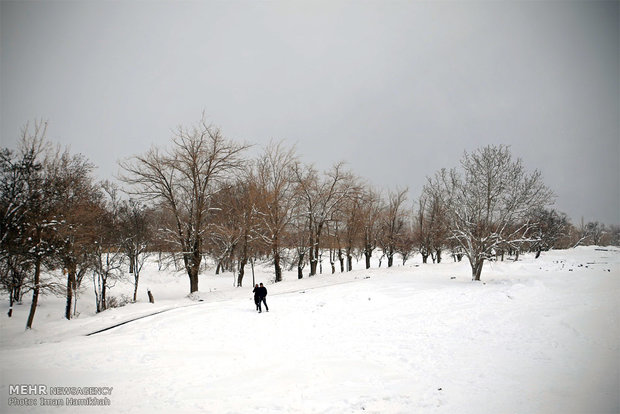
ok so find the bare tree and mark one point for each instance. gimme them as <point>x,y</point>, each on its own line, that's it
<point>333,242</point>
<point>276,203</point>
<point>78,200</point>
<point>369,220</point>
<point>614,235</point>
<point>352,211</point>
<point>183,180</point>
<point>298,238</point>
<point>322,197</point>
<point>23,207</point>
<point>18,173</point>
<point>52,194</point>
<point>406,242</point>
<point>595,232</point>
<point>550,226</point>
<point>490,202</point>
<point>162,241</point>
<point>108,255</point>
<point>36,211</point>
<point>235,225</point>
<point>246,207</point>
<point>430,229</point>
<point>392,224</point>
<point>225,232</point>
<point>338,236</point>
<point>42,240</point>
<point>136,231</point>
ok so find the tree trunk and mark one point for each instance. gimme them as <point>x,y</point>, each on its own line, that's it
<point>349,262</point>
<point>438,256</point>
<point>71,286</point>
<point>476,270</point>
<point>300,267</point>
<point>332,260</point>
<point>132,262</point>
<point>11,302</point>
<point>314,259</point>
<point>176,263</point>
<point>341,259</point>
<point>424,258</point>
<point>538,251</point>
<point>313,265</point>
<point>35,292</point>
<point>96,280</point>
<point>192,264</point>
<point>17,292</point>
<point>78,282</point>
<point>135,290</point>
<point>278,269</point>
<point>193,279</point>
<point>253,276</point>
<point>315,256</point>
<point>243,260</point>
<point>241,272</point>
<point>367,255</point>
<point>104,288</point>
<point>390,260</point>
<point>230,259</point>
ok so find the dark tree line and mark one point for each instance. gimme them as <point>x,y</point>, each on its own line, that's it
<point>57,220</point>
<point>203,197</point>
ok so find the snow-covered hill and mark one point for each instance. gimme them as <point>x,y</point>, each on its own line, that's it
<point>534,336</point>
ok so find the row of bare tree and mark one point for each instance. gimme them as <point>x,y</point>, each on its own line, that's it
<point>211,199</point>
<point>203,197</point>
<point>56,217</point>
<point>491,206</point>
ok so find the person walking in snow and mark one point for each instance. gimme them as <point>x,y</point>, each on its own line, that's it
<point>256,297</point>
<point>262,293</point>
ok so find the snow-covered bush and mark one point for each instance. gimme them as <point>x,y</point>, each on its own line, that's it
<point>118,301</point>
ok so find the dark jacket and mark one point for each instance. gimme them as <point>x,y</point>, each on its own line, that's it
<point>256,294</point>
<point>262,291</point>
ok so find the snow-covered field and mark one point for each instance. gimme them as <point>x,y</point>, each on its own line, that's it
<point>535,336</point>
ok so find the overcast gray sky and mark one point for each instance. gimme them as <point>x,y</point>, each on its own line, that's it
<point>398,89</point>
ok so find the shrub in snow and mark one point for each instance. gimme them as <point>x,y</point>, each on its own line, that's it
<point>117,302</point>
<point>195,296</point>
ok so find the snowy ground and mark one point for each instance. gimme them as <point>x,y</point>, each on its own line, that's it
<point>536,336</point>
